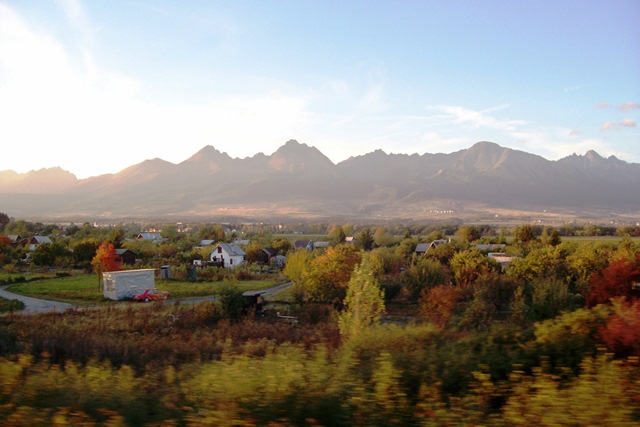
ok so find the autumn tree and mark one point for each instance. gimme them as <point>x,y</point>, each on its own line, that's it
<point>106,259</point>
<point>297,269</point>
<point>621,334</point>
<point>439,303</point>
<point>330,273</point>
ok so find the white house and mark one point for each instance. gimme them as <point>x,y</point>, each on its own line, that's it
<point>229,254</point>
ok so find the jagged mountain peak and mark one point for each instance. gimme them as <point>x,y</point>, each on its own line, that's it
<point>208,154</point>
<point>299,178</point>
<point>294,156</point>
<point>592,156</point>
<point>148,167</point>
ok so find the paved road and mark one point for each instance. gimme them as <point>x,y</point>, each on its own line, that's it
<point>35,305</point>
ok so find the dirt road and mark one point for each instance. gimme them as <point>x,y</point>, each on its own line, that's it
<point>35,305</point>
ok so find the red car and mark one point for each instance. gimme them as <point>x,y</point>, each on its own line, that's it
<point>152,295</point>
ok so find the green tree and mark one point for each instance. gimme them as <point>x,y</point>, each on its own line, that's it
<point>51,254</point>
<point>542,262</point>
<point>365,239</point>
<point>364,302</point>
<point>230,300</point>
<point>468,265</point>
<point>83,251</point>
<point>424,274</point>
<point>524,234</point>
<point>211,232</point>
<point>336,235</point>
<point>468,233</point>
<point>281,245</point>
<point>4,220</point>
<point>382,238</point>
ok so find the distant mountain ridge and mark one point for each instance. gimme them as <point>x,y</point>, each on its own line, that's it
<point>298,180</point>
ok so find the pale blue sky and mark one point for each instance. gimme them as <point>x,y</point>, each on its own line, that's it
<point>96,86</point>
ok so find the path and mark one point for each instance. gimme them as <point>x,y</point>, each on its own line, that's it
<point>35,305</point>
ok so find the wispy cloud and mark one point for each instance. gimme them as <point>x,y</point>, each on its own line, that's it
<point>624,123</point>
<point>628,106</point>
<point>476,119</point>
<point>602,106</point>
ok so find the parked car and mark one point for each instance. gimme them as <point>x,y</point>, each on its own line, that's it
<point>152,295</point>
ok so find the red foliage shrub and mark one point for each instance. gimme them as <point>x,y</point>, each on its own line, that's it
<point>621,334</point>
<point>620,278</point>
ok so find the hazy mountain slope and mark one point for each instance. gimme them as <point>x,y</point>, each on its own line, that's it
<point>299,178</point>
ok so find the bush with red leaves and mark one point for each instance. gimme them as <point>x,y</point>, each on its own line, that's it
<point>620,278</point>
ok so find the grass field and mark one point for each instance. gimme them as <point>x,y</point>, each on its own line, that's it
<point>84,289</point>
<point>612,240</point>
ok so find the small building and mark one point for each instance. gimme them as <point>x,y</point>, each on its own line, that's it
<point>303,244</point>
<point>127,256</point>
<point>503,259</point>
<point>278,261</point>
<point>490,247</point>
<point>38,240</point>
<point>152,237</point>
<point>320,245</point>
<point>423,248</point>
<point>204,243</point>
<point>242,242</point>
<point>118,285</point>
<point>229,255</point>
<point>15,238</point>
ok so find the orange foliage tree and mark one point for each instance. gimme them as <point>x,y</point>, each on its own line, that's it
<point>106,259</point>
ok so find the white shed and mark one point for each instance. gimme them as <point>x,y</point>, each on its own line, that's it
<point>127,283</point>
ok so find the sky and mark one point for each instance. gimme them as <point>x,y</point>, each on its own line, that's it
<point>94,87</point>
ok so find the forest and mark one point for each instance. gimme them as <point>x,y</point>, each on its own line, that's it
<point>383,335</point>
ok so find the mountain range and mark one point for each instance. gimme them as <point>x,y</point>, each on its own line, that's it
<point>298,181</point>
